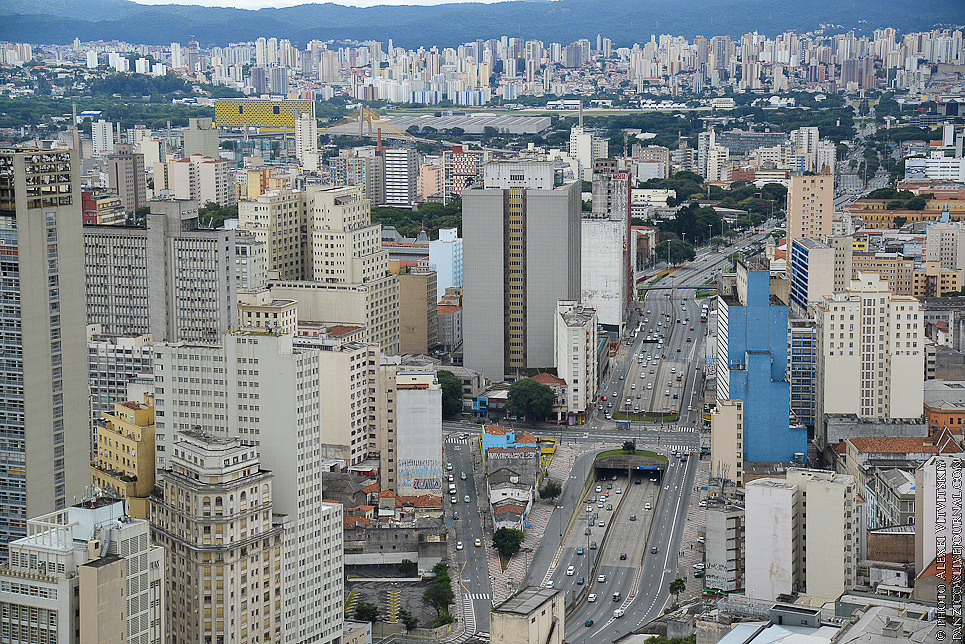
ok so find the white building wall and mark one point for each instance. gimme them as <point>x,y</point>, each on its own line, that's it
<point>603,269</point>
<point>419,438</point>
<point>771,532</point>
<point>446,255</point>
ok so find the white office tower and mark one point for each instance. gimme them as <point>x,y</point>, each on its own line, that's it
<point>298,406</point>
<point>939,530</point>
<point>801,535</point>
<point>576,363</point>
<point>587,147</point>
<point>306,142</point>
<point>86,573</point>
<point>418,415</point>
<point>870,355</point>
<point>91,59</point>
<point>522,254</point>
<point>102,136</point>
<point>446,255</point>
<point>401,168</point>
<point>45,446</point>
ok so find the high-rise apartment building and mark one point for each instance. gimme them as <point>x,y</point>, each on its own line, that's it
<point>418,433</point>
<point>306,142</point>
<point>277,219</point>
<point>803,533</point>
<point>401,168</point>
<point>725,547</point>
<point>810,207</point>
<point>445,254</point>
<point>204,179</point>
<point>575,343</point>
<point>945,243</point>
<point>113,362</point>
<point>461,168</point>
<point>172,279</point>
<point>870,355</point>
<point>86,573</point>
<point>123,466</point>
<point>802,367</point>
<point>102,136</point>
<point>346,277</point>
<point>125,175</point>
<point>418,317</point>
<point>201,137</point>
<point>752,364</point>
<point>298,404</point>
<point>213,515</point>
<point>352,170</point>
<point>45,445</point>
<point>811,272</point>
<point>522,254</point>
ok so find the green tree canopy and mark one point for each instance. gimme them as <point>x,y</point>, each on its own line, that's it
<point>407,567</point>
<point>451,392</point>
<point>551,490</point>
<point>680,251</point>
<point>677,586</point>
<point>366,612</point>
<point>629,447</point>
<point>408,619</point>
<point>508,540</point>
<point>532,399</point>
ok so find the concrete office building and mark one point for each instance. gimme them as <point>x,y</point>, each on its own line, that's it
<point>125,175</point>
<point>251,262</point>
<point>401,168</point>
<point>802,367</point>
<point>532,616</point>
<point>200,178</point>
<point>861,370</point>
<point>752,364</point>
<point>810,207</point>
<point>575,333</point>
<point>339,273</point>
<point>172,279</point>
<point>46,434</point>
<point>811,272</point>
<point>939,530</point>
<point>606,274</point>
<point>277,219</point>
<point>213,514</point>
<point>418,315</point>
<point>461,168</point>
<point>113,362</point>
<point>897,270</point>
<point>87,573</point>
<point>445,254</point>
<point>262,390</point>
<point>803,531</point>
<point>522,254</point>
<point>418,433</point>
<point>725,548</point>
<point>258,311</point>
<point>587,145</point>
<point>201,137</point>
<point>727,442</point>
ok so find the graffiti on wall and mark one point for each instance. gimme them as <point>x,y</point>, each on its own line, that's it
<point>418,476</point>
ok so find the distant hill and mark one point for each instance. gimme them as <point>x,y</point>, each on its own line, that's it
<point>623,21</point>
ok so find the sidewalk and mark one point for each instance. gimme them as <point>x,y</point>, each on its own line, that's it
<point>691,551</point>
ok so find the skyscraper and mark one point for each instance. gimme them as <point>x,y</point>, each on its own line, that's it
<point>522,254</point>
<point>810,207</point>
<point>125,174</point>
<point>606,275</point>
<point>45,445</point>
<point>401,167</point>
<point>201,137</point>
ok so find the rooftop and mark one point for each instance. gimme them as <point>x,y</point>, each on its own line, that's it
<point>527,600</point>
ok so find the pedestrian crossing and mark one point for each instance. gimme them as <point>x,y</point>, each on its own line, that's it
<point>479,596</point>
<point>463,439</point>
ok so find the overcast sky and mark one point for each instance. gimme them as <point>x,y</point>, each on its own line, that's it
<point>259,4</point>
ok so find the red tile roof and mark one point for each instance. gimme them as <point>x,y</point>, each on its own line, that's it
<point>939,443</point>
<point>371,488</point>
<point>509,507</point>
<point>341,329</point>
<point>447,309</point>
<point>946,567</point>
<point>496,430</point>
<point>349,521</point>
<point>525,437</point>
<point>548,379</point>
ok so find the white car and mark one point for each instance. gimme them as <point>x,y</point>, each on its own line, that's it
<point>549,584</point>
<point>459,545</point>
<point>591,597</point>
<point>570,571</point>
<point>647,506</point>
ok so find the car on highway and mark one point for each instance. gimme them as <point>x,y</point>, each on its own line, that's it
<point>688,340</point>
<point>580,581</point>
<point>455,516</point>
<point>601,407</point>
<point>455,499</point>
<point>587,531</point>
<point>478,543</point>
<point>609,486</point>
<point>619,612</point>
<point>449,467</point>
<point>599,488</point>
<point>633,517</point>
<point>591,597</point>
<point>463,476</point>
<point>619,490</point>
<point>601,579</point>
<point>600,504</point>
<point>602,523</point>
<point>647,506</point>
<point>653,550</point>
<point>570,571</point>
<point>579,551</point>
<point>549,584</point>
<point>623,556</point>
<point>673,369</point>
<point>593,545</point>
<point>466,498</point>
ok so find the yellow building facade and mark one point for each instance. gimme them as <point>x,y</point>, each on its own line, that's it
<point>124,464</point>
<point>267,115</point>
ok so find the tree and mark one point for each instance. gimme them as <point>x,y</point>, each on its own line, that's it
<point>451,392</point>
<point>900,221</point>
<point>677,586</point>
<point>680,251</point>
<point>508,540</point>
<point>407,567</point>
<point>629,447</point>
<point>366,612</point>
<point>531,399</point>
<point>439,596</point>
<point>408,619</point>
<point>916,203</point>
<point>551,490</point>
